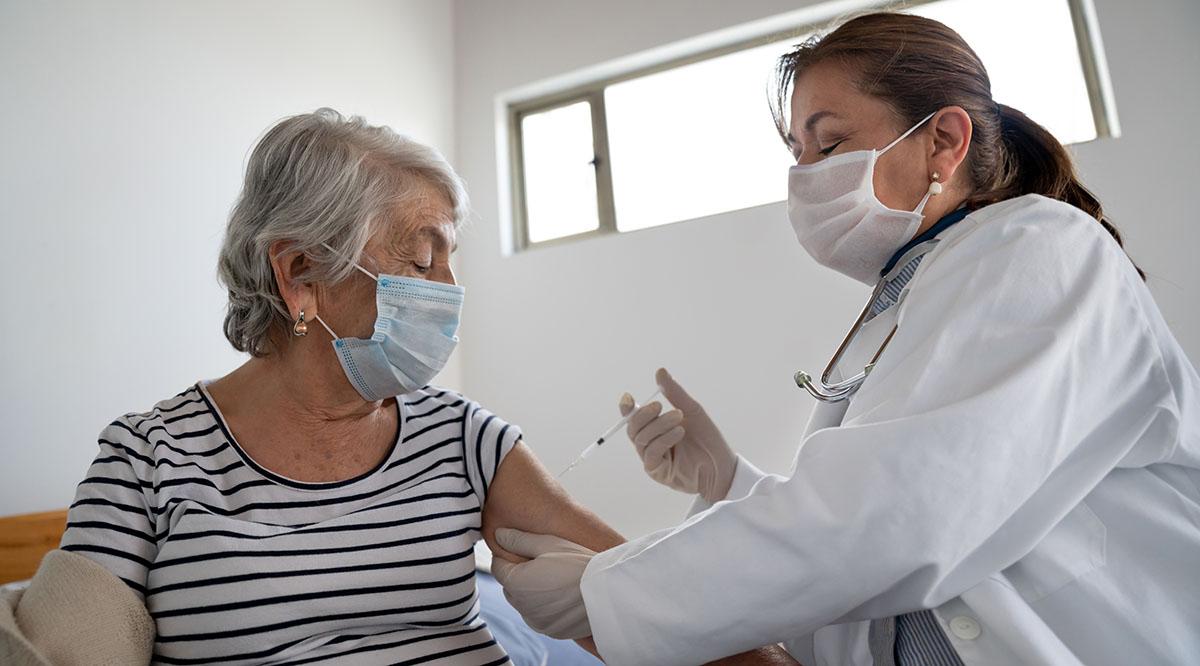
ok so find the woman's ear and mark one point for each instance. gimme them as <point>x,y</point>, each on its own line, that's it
<point>291,269</point>
<point>951,140</point>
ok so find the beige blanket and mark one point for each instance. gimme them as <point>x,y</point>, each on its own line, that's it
<point>74,612</point>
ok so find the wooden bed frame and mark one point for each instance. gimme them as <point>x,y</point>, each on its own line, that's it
<point>25,539</point>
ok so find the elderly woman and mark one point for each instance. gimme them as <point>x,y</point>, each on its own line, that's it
<point>321,502</point>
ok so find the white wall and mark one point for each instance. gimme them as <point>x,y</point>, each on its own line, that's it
<point>126,124</point>
<point>124,129</point>
<point>730,303</point>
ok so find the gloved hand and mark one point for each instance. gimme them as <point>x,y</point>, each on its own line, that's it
<point>681,449</point>
<point>545,588</point>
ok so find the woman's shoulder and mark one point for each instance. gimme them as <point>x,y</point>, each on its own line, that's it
<point>1031,239</point>
<point>184,424</point>
<point>433,407</point>
<point>435,401</point>
<point>1031,218</point>
<point>1034,223</point>
<point>429,398</point>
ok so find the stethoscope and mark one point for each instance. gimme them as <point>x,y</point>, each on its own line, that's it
<point>827,391</point>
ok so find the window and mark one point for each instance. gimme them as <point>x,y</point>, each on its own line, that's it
<point>694,140</point>
<point>560,174</point>
<point>687,133</point>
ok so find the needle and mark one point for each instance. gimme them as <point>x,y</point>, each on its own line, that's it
<point>607,433</point>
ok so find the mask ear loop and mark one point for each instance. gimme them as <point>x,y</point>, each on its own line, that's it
<point>921,206</point>
<point>364,271</point>
<point>905,135</point>
<point>935,188</point>
<point>326,326</point>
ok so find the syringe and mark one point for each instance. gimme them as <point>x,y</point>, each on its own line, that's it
<point>608,433</point>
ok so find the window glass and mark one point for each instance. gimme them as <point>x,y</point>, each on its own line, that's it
<point>560,179</point>
<point>696,140</point>
<point>1032,57</point>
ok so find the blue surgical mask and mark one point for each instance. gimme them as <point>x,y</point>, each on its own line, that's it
<point>415,333</point>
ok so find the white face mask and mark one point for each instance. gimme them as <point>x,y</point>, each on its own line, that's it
<point>838,219</point>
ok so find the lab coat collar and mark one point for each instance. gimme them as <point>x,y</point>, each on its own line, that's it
<point>948,220</point>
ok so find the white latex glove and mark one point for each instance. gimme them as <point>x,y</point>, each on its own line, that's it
<point>681,449</point>
<point>545,588</point>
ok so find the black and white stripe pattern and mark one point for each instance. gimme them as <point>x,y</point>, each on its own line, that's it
<point>920,641</point>
<point>239,565</point>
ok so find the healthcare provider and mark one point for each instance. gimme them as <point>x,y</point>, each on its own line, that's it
<point>1004,463</point>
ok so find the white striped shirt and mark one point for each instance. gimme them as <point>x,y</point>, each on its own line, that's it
<point>239,565</point>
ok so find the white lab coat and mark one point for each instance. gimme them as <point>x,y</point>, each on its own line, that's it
<point>1024,459</point>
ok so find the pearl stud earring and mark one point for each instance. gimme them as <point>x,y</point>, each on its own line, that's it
<point>934,186</point>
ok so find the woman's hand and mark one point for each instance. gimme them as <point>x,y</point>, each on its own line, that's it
<point>681,449</point>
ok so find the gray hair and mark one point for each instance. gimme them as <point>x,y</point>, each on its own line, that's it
<point>316,180</point>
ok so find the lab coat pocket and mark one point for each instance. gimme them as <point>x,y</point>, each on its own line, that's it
<point>1076,546</point>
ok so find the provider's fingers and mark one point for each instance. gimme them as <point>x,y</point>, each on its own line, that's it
<point>502,569</point>
<point>659,450</point>
<point>675,393</point>
<point>626,404</point>
<point>657,427</point>
<point>528,544</point>
<point>641,418</point>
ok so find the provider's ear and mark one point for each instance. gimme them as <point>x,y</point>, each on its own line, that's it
<point>951,141</point>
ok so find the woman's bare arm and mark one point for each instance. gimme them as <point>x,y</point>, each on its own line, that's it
<point>525,496</point>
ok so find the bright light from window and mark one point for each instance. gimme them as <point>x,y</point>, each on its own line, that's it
<point>1031,55</point>
<point>695,140</point>
<point>560,180</point>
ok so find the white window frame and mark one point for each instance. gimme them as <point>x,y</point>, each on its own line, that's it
<point>588,85</point>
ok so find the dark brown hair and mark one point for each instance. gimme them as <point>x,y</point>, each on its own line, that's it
<point>917,66</point>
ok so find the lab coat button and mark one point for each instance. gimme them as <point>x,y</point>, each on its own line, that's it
<point>965,628</point>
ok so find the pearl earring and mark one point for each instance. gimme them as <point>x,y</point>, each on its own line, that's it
<point>934,186</point>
